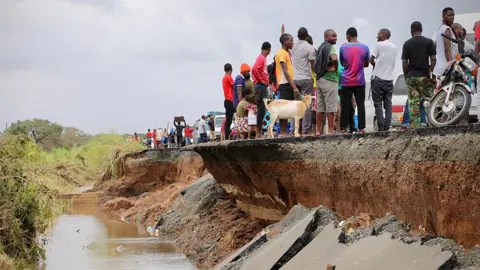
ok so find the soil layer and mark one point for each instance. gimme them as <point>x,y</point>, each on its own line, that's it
<point>427,177</point>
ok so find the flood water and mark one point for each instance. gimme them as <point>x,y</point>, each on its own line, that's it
<point>86,238</point>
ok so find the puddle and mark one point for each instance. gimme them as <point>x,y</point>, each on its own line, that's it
<point>86,238</point>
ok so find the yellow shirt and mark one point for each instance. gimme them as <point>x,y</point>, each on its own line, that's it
<point>314,77</point>
<point>283,56</point>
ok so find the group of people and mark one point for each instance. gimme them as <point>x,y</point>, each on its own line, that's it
<point>336,80</point>
<point>202,129</point>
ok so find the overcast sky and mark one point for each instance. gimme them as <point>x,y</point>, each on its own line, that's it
<point>129,65</point>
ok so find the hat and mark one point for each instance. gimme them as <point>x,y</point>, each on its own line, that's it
<point>244,68</point>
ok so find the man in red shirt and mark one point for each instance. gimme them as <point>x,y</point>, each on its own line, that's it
<point>149,138</point>
<point>188,135</point>
<point>227,83</point>
<point>476,29</point>
<point>260,80</point>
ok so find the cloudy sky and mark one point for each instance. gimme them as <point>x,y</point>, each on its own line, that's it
<point>129,65</point>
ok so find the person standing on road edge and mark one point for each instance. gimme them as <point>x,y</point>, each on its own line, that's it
<point>444,47</point>
<point>284,74</point>
<point>354,57</point>
<point>303,55</point>
<point>211,127</point>
<point>240,84</point>
<point>261,81</point>
<point>202,130</point>
<point>418,61</point>
<point>149,136</point>
<point>326,68</point>
<point>227,84</point>
<point>314,96</point>
<point>383,58</point>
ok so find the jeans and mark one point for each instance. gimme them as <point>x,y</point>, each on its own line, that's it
<point>229,111</point>
<point>382,92</point>
<point>203,137</point>
<point>406,115</point>
<point>347,106</point>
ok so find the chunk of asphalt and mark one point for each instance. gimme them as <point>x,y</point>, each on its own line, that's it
<point>277,252</point>
<point>373,252</point>
<point>383,252</point>
<point>243,252</point>
<point>268,255</point>
<point>319,252</point>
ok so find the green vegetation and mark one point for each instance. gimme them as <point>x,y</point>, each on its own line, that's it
<point>49,135</point>
<point>34,171</point>
<point>65,169</point>
<point>26,206</point>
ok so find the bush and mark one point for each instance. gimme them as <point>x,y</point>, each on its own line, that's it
<point>26,206</point>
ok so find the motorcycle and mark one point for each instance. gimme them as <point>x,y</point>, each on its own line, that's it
<point>453,94</point>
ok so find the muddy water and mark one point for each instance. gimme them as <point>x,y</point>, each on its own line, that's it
<point>86,238</point>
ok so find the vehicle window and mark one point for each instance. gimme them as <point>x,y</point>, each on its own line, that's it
<point>218,121</point>
<point>470,38</point>
<point>400,86</point>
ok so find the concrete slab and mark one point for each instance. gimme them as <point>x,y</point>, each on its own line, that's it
<point>319,252</point>
<point>256,241</point>
<point>273,250</point>
<point>374,252</point>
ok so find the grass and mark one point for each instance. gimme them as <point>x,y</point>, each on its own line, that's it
<point>65,170</point>
<point>32,179</point>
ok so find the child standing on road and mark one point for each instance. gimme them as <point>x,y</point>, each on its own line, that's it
<point>222,130</point>
<point>252,119</point>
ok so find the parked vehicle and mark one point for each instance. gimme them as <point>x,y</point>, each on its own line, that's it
<point>218,125</point>
<point>453,98</point>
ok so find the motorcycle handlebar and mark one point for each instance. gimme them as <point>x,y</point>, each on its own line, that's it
<point>449,38</point>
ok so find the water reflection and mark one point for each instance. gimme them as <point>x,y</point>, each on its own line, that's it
<point>86,238</point>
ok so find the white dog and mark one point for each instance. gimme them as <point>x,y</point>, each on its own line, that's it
<point>287,109</point>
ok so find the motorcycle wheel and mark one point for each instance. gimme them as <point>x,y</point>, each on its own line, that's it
<point>442,113</point>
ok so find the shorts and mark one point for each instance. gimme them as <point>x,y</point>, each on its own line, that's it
<point>327,96</point>
<point>286,91</point>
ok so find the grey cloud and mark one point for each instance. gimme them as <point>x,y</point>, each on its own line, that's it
<point>133,64</point>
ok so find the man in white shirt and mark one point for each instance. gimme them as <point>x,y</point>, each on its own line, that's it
<point>202,130</point>
<point>383,58</point>
<point>445,48</point>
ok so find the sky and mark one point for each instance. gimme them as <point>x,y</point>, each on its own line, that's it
<point>128,65</point>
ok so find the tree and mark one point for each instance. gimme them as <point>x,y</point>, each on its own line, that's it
<point>48,134</point>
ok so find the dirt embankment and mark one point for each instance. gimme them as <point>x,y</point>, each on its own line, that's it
<point>149,182</point>
<point>207,224</point>
<point>427,177</point>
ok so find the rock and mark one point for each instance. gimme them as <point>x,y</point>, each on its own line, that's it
<point>118,204</point>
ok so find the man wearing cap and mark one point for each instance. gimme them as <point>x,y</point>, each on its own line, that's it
<point>303,55</point>
<point>240,83</point>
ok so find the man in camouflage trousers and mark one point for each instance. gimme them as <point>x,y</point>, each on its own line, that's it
<point>419,59</point>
